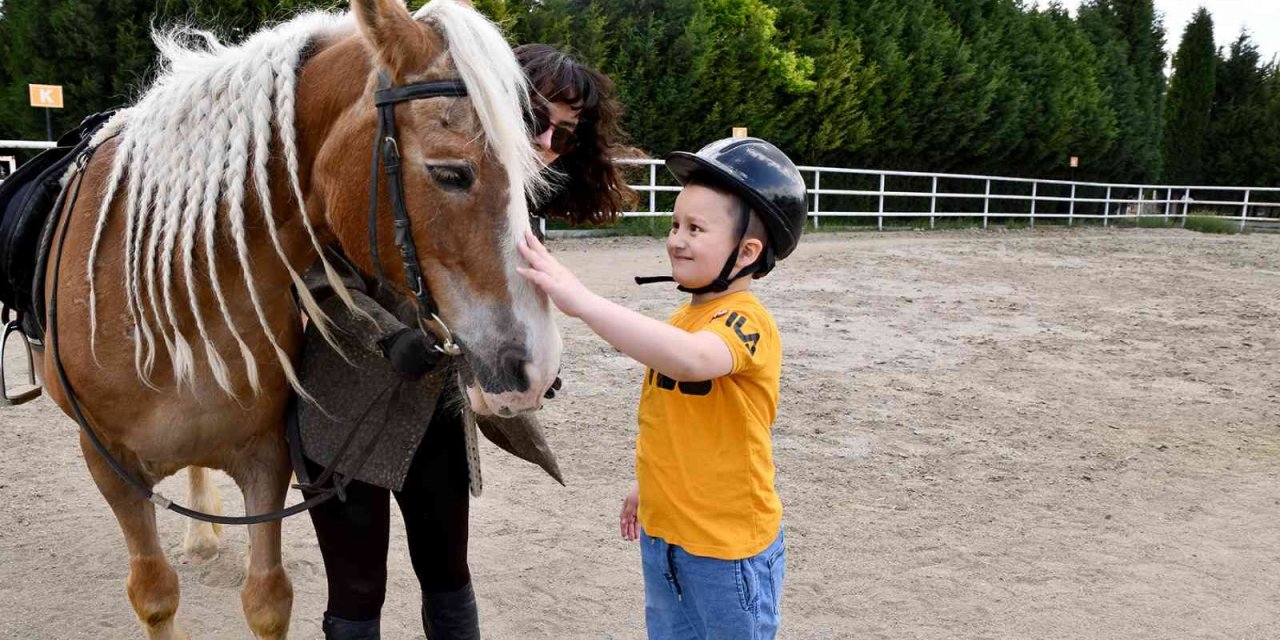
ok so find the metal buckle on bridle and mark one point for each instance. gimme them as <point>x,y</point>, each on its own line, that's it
<point>389,141</point>
<point>435,326</point>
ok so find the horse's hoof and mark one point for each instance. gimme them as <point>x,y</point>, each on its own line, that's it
<point>201,545</point>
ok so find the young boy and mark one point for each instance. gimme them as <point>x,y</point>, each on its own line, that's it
<point>705,507</point>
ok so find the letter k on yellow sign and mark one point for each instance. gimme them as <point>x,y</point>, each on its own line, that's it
<point>48,96</point>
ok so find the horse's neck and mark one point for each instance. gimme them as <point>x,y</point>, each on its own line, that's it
<point>331,82</point>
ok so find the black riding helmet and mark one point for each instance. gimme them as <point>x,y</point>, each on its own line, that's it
<point>768,183</point>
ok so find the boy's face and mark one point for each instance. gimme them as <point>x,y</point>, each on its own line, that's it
<point>704,230</point>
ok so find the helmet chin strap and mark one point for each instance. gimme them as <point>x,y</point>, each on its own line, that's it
<point>722,281</point>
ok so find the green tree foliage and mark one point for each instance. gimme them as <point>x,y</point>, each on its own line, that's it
<point>1243,141</point>
<point>100,51</point>
<point>979,86</point>
<point>1129,57</point>
<point>1190,102</point>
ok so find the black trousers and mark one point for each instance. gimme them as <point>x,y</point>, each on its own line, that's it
<point>354,534</point>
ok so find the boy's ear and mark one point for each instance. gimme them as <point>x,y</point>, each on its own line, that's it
<point>749,252</point>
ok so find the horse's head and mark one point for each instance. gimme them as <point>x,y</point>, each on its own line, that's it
<point>466,164</point>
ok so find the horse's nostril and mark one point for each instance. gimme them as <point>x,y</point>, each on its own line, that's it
<point>512,361</point>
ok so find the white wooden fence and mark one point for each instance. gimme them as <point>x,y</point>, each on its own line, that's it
<point>869,193</point>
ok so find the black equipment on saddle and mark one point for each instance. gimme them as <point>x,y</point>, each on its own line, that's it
<point>30,205</point>
<point>31,202</point>
<point>386,148</point>
<point>767,182</point>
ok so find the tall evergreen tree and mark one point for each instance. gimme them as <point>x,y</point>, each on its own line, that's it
<point>1240,134</point>
<point>1190,101</point>
<point>1129,45</point>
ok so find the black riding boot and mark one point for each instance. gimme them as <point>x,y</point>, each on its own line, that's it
<point>451,615</point>
<point>339,629</point>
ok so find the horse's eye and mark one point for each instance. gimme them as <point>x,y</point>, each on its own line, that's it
<point>451,177</point>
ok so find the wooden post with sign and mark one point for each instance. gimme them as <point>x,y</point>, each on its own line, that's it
<point>46,96</point>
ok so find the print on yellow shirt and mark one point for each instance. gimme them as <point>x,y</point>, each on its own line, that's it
<point>704,459</point>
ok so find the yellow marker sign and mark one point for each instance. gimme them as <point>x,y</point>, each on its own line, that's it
<point>48,96</point>
<point>739,132</point>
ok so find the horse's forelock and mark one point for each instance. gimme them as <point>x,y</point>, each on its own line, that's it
<point>499,93</point>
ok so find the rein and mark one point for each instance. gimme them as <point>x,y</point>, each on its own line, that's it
<point>386,150</point>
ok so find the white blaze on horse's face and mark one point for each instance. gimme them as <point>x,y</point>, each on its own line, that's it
<point>467,163</point>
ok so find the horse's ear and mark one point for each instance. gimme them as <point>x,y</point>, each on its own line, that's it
<point>399,43</point>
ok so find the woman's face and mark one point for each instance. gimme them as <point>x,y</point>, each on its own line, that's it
<point>561,115</point>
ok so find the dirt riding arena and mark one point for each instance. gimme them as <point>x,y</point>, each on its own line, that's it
<point>1048,434</point>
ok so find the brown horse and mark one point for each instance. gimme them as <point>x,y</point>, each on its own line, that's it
<point>207,198</point>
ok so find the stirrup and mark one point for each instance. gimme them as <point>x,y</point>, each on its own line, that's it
<point>31,390</point>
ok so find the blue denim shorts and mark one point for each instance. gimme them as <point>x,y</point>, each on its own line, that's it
<point>688,597</point>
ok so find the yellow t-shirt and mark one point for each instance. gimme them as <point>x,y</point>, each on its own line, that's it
<point>704,461</point>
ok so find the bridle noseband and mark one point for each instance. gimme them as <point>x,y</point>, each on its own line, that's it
<point>387,151</point>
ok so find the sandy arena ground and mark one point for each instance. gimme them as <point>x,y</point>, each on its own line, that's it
<point>1049,434</point>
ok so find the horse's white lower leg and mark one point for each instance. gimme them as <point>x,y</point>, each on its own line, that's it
<point>267,596</point>
<point>201,542</point>
<point>152,584</point>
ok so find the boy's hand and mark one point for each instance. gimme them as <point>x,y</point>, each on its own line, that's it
<point>553,278</point>
<point>628,524</point>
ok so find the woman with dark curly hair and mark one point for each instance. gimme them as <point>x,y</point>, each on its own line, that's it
<point>431,466</point>
<point>577,122</point>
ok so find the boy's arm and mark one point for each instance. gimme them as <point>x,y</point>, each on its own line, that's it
<point>676,353</point>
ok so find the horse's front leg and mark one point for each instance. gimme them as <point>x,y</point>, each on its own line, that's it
<point>152,584</point>
<point>267,596</point>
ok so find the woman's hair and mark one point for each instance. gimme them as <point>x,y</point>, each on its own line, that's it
<point>591,189</point>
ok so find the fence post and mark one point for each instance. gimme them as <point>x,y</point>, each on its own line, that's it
<point>933,201</point>
<point>817,184</point>
<point>1138,220</point>
<point>653,189</point>
<point>880,218</point>
<point>1186,201</point>
<point>1071,206</point>
<point>1244,211</point>
<point>1032,224</point>
<point>1106,207</point>
<point>986,204</point>
<point>1168,201</point>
